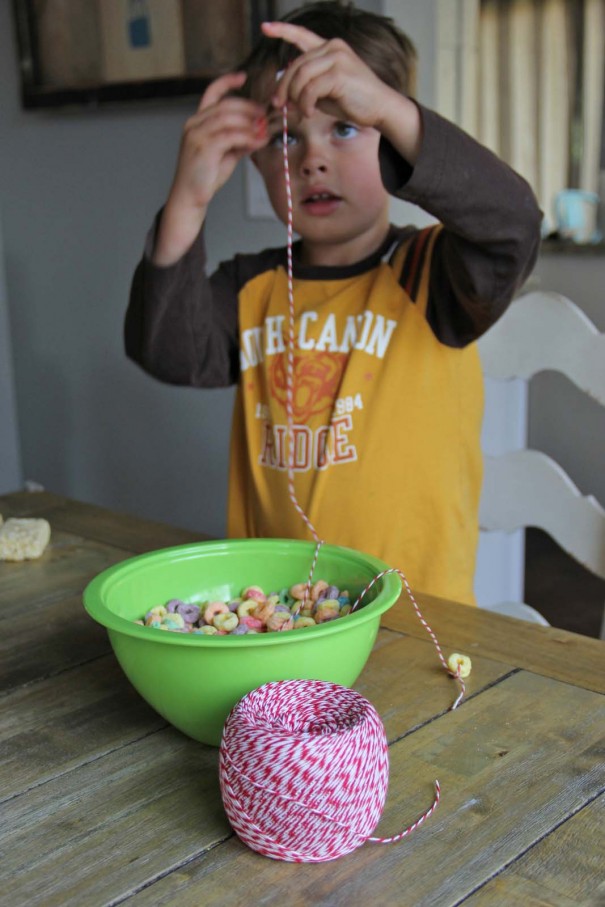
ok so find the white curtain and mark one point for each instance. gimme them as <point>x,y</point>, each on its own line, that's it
<point>593,158</point>
<point>540,89</point>
<point>526,78</point>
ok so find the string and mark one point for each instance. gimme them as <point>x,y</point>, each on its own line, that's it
<point>408,831</point>
<point>292,487</point>
<point>290,429</point>
<point>304,771</point>
<point>290,369</point>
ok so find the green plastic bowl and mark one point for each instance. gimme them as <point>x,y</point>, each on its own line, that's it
<point>193,681</point>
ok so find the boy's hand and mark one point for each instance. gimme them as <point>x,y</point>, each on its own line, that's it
<point>331,77</point>
<point>223,130</point>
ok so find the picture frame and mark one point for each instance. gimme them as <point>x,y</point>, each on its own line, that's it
<point>97,52</point>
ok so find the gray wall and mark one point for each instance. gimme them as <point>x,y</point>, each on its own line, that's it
<point>78,190</point>
<point>10,460</point>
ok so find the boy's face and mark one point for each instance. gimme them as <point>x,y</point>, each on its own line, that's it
<point>340,206</point>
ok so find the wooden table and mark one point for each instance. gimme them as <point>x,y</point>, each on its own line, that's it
<point>103,803</point>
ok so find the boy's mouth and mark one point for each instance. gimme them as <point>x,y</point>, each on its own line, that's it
<point>320,201</point>
<point>316,195</point>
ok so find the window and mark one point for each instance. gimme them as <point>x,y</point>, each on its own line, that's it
<point>526,78</point>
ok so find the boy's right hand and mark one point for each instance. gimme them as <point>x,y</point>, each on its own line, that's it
<point>223,130</point>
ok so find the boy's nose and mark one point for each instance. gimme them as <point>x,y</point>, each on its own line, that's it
<point>310,167</point>
<point>313,160</point>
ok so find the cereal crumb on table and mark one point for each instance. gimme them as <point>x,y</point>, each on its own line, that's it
<point>23,539</point>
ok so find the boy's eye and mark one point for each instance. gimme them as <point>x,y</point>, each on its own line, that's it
<point>277,139</point>
<point>345,130</point>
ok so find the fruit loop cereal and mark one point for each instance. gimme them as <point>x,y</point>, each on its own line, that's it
<point>253,612</point>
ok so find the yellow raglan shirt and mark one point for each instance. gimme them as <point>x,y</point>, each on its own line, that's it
<point>387,415</point>
<point>387,422</point>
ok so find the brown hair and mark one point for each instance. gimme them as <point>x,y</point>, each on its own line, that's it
<point>375,39</point>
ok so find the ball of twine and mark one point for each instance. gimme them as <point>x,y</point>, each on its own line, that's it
<point>304,770</point>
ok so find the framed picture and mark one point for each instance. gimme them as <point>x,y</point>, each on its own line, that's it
<point>100,51</point>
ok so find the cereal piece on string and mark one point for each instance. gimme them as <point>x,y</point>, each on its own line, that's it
<point>459,665</point>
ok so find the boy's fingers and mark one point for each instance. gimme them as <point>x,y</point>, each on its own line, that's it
<point>220,87</point>
<point>294,34</point>
<point>308,81</point>
<point>231,108</point>
<point>304,72</point>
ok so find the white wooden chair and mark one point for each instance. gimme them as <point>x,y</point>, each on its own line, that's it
<point>540,331</point>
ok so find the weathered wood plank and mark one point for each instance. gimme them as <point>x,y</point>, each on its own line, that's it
<point>29,503</point>
<point>44,626</point>
<point>560,871</point>
<point>50,727</point>
<point>98,812</point>
<point>49,731</point>
<point>513,763</point>
<point>68,563</point>
<point>520,892</point>
<point>120,530</point>
<point>93,833</point>
<point>408,686</point>
<point>544,650</point>
<point>133,534</point>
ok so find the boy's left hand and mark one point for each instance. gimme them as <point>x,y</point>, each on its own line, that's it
<point>329,75</point>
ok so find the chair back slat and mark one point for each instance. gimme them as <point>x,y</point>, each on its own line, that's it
<point>544,331</point>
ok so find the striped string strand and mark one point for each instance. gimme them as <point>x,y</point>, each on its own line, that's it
<point>408,831</point>
<point>290,430</point>
<point>290,369</point>
<point>410,594</point>
<point>304,771</point>
<point>259,800</point>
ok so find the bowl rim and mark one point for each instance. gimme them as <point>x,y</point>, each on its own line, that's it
<point>98,611</point>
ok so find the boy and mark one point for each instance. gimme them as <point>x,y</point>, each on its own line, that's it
<point>387,383</point>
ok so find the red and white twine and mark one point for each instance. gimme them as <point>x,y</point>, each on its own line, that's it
<point>304,764</point>
<point>304,771</point>
<point>290,368</point>
<point>290,427</point>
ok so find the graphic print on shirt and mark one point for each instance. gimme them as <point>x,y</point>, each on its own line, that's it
<point>322,354</point>
<point>407,420</point>
<point>315,384</point>
<point>367,332</point>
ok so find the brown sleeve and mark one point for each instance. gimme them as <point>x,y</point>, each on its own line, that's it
<point>181,325</point>
<point>491,221</point>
